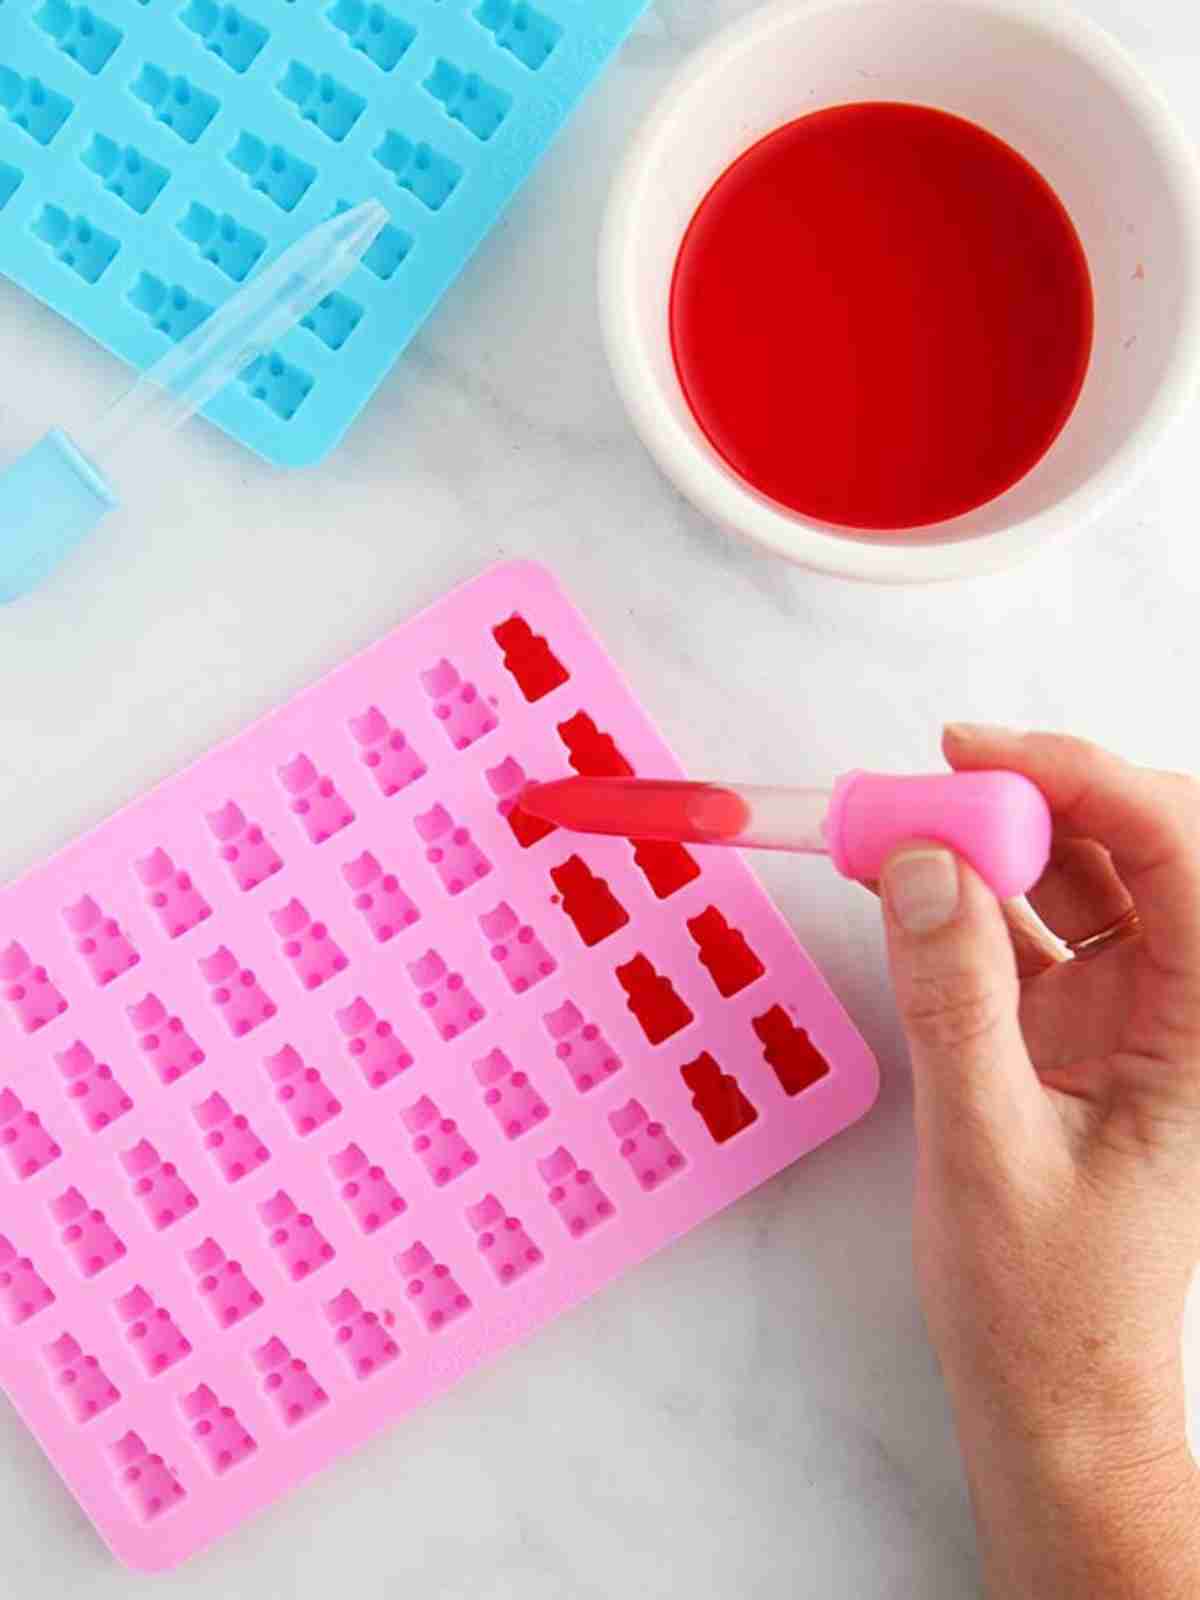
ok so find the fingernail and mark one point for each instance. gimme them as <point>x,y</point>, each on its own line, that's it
<point>922,889</point>
<point>979,732</point>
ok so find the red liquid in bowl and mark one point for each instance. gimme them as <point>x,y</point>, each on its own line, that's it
<point>881,316</point>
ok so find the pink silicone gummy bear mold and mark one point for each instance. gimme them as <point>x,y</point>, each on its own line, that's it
<point>301,1091</point>
<point>225,1288</point>
<point>246,851</point>
<point>307,945</point>
<point>372,1197</point>
<point>23,1290</point>
<point>296,1394</point>
<point>433,1292</point>
<point>454,855</point>
<point>379,1055</point>
<point>27,1146</point>
<point>171,894</point>
<point>315,800</point>
<point>581,1047</point>
<point>233,1144</point>
<point>98,1097</point>
<point>392,761</point>
<point>149,1483</point>
<point>506,782</point>
<point>574,1193</point>
<point>509,1095</point>
<point>444,996</point>
<point>170,1047</point>
<point>362,1337</point>
<point>152,1331</point>
<point>157,1185</point>
<point>444,1153</point>
<point>300,1245</point>
<point>241,999</point>
<point>652,1155</point>
<point>34,999</point>
<point>506,1247</point>
<point>89,1240</point>
<point>458,706</point>
<point>220,1437</point>
<point>106,951</point>
<point>522,957</point>
<point>82,1383</point>
<point>379,897</point>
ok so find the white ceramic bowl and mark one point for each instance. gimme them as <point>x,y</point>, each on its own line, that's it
<point>1058,89</point>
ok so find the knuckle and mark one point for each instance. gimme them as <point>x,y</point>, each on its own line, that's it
<point>952,1010</point>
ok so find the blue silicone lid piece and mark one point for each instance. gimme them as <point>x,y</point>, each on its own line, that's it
<point>50,498</point>
<point>154,152</point>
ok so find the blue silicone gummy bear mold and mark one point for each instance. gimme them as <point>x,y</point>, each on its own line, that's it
<point>154,152</point>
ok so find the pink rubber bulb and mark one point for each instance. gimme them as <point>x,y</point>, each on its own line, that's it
<point>997,821</point>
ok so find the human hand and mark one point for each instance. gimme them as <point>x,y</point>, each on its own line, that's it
<point>1058,1189</point>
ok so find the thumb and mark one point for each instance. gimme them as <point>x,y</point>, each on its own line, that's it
<point>955,977</point>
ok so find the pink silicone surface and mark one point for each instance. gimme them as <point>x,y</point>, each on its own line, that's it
<point>318,1091</point>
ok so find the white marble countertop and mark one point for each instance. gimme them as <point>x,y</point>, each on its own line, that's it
<point>756,1413</point>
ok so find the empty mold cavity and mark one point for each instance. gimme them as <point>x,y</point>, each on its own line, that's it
<point>652,1155</point>
<point>574,1193</point>
<point>509,1095</point>
<point>313,955</point>
<point>581,1047</point>
<point>91,1087</point>
<point>36,110</point>
<point>176,103</point>
<point>507,1248</point>
<point>591,753</point>
<point>789,1051</point>
<point>270,170</point>
<point>85,1233</point>
<point>468,99</point>
<point>163,1039</point>
<point>80,34</point>
<point>216,1431</point>
<point>152,1331</point>
<point>232,37</point>
<point>126,173</point>
<point>378,897</point>
<point>506,782</point>
<point>280,386</point>
<point>28,990</point>
<point>288,1384</point>
<point>362,1336</point>
<point>26,1145</point>
<point>444,996</point>
<point>148,1483</point>
<point>222,1284</point>
<point>158,1187</point>
<point>235,1148</point>
<point>386,752</point>
<point>381,36</point>
<point>529,659</point>
<point>667,867</point>
<point>588,901</point>
<point>390,250</point>
<point>521,29</point>
<point>333,320</point>
<point>724,953</point>
<point>370,1195</point>
<point>315,800</point>
<point>450,850</point>
<point>170,892</point>
<point>458,706</point>
<point>299,1245</point>
<point>245,850</point>
<point>427,175</point>
<point>236,992</point>
<point>438,1142</point>
<point>170,309</point>
<point>76,242</point>
<point>717,1097</point>
<point>106,951</point>
<point>322,100</point>
<point>433,1292</point>
<point>652,999</point>
<point>82,1384</point>
<point>222,241</point>
<point>372,1044</point>
<point>516,948</point>
<point>23,1290</point>
<point>10,182</point>
<point>307,1100</point>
